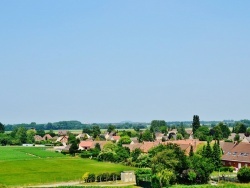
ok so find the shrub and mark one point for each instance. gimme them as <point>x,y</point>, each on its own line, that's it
<point>244,175</point>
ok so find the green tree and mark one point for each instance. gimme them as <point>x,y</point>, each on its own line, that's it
<point>73,148</point>
<point>157,125</point>
<point>30,136</point>
<point>196,123</point>
<point>191,152</point>
<point>111,128</point>
<point>207,151</point>
<point>217,133</point>
<point>240,127</point>
<point>237,137</point>
<point>135,154</point>
<point>96,131</point>
<point>124,140</point>
<point>40,132</point>
<point>202,133</point>
<point>2,128</point>
<point>216,155</point>
<point>243,175</point>
<point>224,129</point>
<point>182,131</point>
<point>21,134</point>
<point>147,136</point>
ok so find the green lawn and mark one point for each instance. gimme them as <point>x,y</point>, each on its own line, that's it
<point>30,166</point>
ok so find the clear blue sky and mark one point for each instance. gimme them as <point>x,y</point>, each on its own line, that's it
<point>109,61</point>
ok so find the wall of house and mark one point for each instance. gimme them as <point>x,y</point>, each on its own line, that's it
<point>235,164</point>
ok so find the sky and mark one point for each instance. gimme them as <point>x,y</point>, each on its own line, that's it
<point>112,61</point>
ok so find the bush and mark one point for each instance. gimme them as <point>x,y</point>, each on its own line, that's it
<point>244,175</point>
<point>227,169</point>
<point>91,178</point>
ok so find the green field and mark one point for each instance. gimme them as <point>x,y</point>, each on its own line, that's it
<point>31,165</point>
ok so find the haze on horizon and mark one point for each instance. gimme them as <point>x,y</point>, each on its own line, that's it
<point>110,61</point>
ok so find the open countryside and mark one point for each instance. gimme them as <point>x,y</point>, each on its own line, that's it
<point>31,166</point>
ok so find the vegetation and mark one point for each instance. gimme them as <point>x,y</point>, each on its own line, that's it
<point>244,175</point>
<point>34,164</point>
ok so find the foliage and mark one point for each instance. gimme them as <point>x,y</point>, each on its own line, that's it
<point>243,175</point>
<point>124,140</point>
<point>111,128</point>
<point>147,136</point>
<point>2,128</point>
<point>216,132</point>
<point>195,123</point>
<point>157,126</point>
<point>202,133</point>
<point>73,148</point>
<point>237,137</point>
<point>47,165</point>
<point>240,127</point>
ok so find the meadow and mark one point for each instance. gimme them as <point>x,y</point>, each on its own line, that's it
<point>23,166</point>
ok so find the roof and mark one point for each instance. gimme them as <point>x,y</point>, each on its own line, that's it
<point>116,137</point>
<point>47,136</point>
<point>239,152</point>
<point>62,132</point>
<point>87,144</point>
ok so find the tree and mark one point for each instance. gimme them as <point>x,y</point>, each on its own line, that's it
<point>21,134</point>
<point>124,140</point>
<point>202,133</point>
<point>224,129</point>
<point>182,131</point>
<point>191,152</point>
<point>179,136</point>
<point>40,132</point>
<point>73,148</point>
<point>2,128</point>
<point>30,136</point>
<point>135,154</point>
<point>111,128</point>
<point>196,123</point>
<point>237,137</point>
<point>207,151</point>
<point>216,155</point>
<point>96,131</point>
<point>157,125</point>
<point>240,127</point>
<point>147,136</point>
<point>216,133</point>
<point>244,175</point>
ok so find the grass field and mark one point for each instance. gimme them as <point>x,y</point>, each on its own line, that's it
<point>29,166</point>
<point>221,185</point>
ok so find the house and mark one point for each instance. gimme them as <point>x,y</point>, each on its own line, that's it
<point>47,137</point>
<point>246,140</point>
<point>236,154</point>
<point>115,138</point>
<point>62,132</point>
<point>231,137</point>
<point>185,145</point>
<point>85,145</point>
<point>190,133</point>
<point>134,140</point>
<point>38,138</point>
<point>63,140</point>
<point>108,135</point>
<point>83,136</point>
<point>159,136</point>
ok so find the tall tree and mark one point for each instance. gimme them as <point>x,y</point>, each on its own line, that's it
<point>111,128</point>
<point>196,123</point>
<point>157,125</point>
<point>216,155</point>
<point>2,128</point>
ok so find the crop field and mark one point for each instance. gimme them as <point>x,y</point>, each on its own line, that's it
<point>23,166</point>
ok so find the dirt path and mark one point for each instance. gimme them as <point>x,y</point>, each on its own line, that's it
<point>88,184</point>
